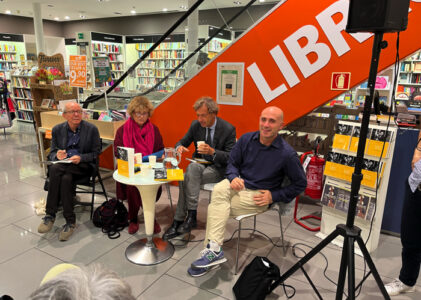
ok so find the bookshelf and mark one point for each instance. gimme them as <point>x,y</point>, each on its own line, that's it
<point>409,80</point>
<point>95,44</point>
<point>160,62</point>
<point>12,51</point>
<point>339,167</point>
<point>21,93</point>
<point>218,43</point>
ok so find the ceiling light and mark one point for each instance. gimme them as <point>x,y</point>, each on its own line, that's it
<point>237,2</point>
<point>56,18</point>
<point>8,12</point>
<point>133,12</point>
<point>82,16</point>
<point>67,17</point>
<point>184,7</point>
<point>165,9</point>
<point>261,1</point>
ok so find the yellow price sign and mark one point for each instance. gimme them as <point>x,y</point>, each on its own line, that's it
<point>77,64</point>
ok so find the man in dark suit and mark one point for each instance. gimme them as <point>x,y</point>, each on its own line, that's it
<point>213,139</point>
<point>75,144</point>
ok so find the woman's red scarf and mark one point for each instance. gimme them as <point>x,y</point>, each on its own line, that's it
<point>141,139</point>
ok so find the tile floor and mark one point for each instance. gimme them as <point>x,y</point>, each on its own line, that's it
<point>25,255</point>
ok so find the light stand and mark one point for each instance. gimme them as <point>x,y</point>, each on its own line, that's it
<point>351,233</point>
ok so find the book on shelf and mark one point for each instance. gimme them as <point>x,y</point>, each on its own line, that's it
<point>125,161</point>
<point>47,103</point>
<point>342,137</point>
<point>378,138</point>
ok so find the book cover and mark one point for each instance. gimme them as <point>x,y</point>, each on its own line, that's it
<point>329,195</point>
<point>125,161</point>
<point>169,174</point>
<point>45,103</point>
<point>160,174</point>
<point>377,139</point>
<point>348,162</point>
<point>342,200</point>
<point>370,210</point>
<point>369,171</point>
<point>355,138</point>
<point>333,167</point>
<point>342,137</point>
<point>362,205</point>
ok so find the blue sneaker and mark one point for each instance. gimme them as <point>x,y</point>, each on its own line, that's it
<point>208,258</point>
<point>197,272</point>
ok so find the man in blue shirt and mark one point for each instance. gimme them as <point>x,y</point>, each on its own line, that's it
<point>256,169</point>
<point>75,145</point>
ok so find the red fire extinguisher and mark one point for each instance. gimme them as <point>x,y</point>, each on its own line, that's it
<point>313,165</point>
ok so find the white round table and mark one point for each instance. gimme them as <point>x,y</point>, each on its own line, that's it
<point>152,250</point>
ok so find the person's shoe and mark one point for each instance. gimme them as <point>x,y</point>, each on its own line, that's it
<point>156,227</point>
<point>47,224</point>
<point>208,258</point>
<point>189,223</point>
<point>66,232</point>
<point>171,232</point>
<point>197,272</point>
<point>133,227</point>
<point>397,287</point>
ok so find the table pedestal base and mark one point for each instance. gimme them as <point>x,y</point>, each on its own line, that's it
<point>146,253</point>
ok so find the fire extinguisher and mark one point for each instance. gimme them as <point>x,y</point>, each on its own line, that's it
<point>313,165</point>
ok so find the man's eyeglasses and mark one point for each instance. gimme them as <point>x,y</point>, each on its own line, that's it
<point>141,114</point>
<point>73,112</point>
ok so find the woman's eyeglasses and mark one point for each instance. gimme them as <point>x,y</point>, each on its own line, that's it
<point>140,114</point>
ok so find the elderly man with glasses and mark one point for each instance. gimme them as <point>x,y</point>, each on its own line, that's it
<point>76,144</point>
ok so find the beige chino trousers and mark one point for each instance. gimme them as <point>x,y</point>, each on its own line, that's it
<point>227,202</point>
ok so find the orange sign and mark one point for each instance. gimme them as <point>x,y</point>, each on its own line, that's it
<point>77,64</point>
<point>289,68</point>
<point>340,81</point>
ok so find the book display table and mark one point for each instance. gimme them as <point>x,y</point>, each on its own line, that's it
<point>152,250</point>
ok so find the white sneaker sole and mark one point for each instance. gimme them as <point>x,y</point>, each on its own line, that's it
<point>207,271</point>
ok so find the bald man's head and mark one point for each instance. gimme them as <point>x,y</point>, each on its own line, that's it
<point>271,121</point>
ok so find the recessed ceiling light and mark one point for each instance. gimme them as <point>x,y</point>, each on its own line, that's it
<point>183,7</point>
<point>117,13</point>
<point>261,0</point>
<point>56,18</point>
<point>67,17</point>
<point>133,12</point>
<point>8,12</point>
<point>82,16</point>
<point>237,2</point>
<point>165,9</point>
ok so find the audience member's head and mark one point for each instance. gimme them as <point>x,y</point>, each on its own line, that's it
<point>206,110</point>
<point>74,283</point>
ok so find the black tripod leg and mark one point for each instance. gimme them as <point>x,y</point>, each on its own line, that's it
<point>351,268</point>
<point>311,283</point>
<point>372,267</point>
<point>310,255</point>
<point>342,270</point>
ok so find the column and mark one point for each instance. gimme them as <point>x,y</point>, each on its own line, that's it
<point>192,34</point>
<point>39,31</point>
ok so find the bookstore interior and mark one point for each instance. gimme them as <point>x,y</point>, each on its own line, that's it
<point>83,65</point>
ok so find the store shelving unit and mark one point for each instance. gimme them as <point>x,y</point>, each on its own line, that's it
<point>218,43</point>
<point>12,51</point>
<point>21,92</point>
<point>95,44</point>
<point>409,80</point>
<point>159,63</point>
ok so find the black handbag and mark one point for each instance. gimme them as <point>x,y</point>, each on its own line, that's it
<point>258,279</point>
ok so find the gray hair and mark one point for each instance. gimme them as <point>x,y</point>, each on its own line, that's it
<point>90,283</point>
<point>210,104</point>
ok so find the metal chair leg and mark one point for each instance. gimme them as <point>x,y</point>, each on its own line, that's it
<point>282,232</point>
<point>167,186</point>
<point>238,247</point>
<point>93,197</point>
<point>254,225</point>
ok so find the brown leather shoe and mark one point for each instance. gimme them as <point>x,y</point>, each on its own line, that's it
<point>66,232</point>
<point>47,224</point>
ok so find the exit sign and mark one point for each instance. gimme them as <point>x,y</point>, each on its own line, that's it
<point>80,36</point>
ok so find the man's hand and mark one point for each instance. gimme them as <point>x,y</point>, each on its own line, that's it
<point>61,154</point>
<point>205,149</point>
<point>264,198</point>
<point>75,159</point>
<point>181,149</point>
<point>237,184</point>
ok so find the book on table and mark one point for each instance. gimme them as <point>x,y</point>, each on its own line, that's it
<point>162,174</point>
<point>125,161</point>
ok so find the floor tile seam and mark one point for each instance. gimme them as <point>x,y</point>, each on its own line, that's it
<point>17,255</point>
<point>211,292</point>
<point>23,228</point>
<point>308,283</point>
<point>107,252</point>
<point>22,181</point>
<point>23,202</point>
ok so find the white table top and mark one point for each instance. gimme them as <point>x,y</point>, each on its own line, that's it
<point>138,179</point>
